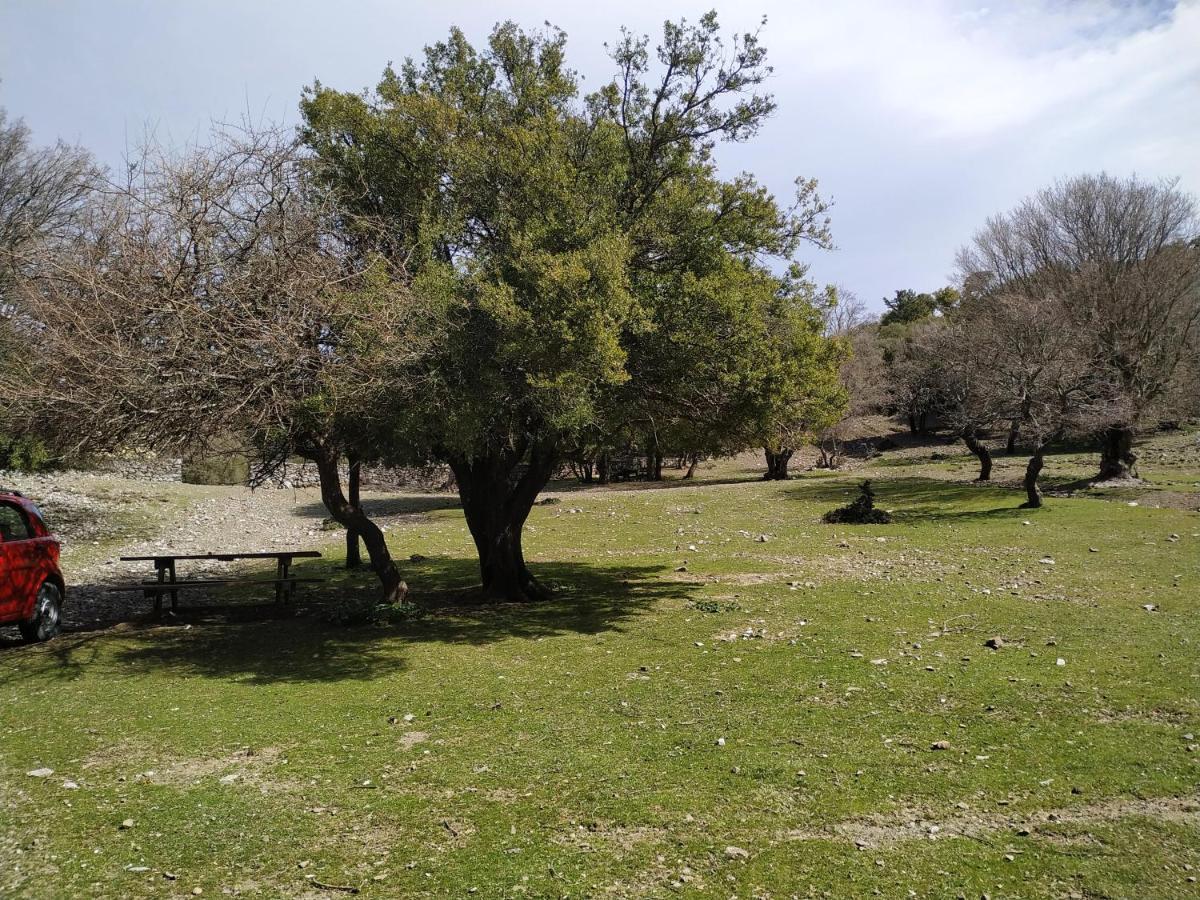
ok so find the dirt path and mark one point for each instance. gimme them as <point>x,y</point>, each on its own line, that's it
<point>884,832</point>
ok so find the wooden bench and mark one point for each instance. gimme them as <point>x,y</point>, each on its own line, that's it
<point>626,468</point>
<point>168,583</point>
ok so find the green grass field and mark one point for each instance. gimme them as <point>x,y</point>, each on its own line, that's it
<point>727,698</point>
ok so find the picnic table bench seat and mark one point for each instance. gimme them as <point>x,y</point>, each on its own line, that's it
<point>168,583</point>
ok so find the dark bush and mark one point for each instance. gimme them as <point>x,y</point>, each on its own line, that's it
<point>861,511</point>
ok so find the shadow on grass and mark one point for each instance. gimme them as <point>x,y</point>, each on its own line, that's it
<point>254,644</point>
<point>569,486</point>
<point>380,507</point>
<point>918,499</point>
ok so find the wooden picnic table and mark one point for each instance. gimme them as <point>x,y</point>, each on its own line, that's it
<point>164,567</point>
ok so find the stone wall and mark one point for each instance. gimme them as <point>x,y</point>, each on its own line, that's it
<point>160,469</point>
<point>147,467</point>
<point>376,478</point>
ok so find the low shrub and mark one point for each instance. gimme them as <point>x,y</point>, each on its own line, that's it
<point>861,511</point>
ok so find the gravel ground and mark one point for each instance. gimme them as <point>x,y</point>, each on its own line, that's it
<point>100,518</point>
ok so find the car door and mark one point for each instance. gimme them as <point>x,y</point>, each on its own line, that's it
<point>16,564</point>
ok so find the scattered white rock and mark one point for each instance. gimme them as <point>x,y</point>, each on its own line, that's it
<point>40,773</point>
<point>736,853</point>
<point>720,742</point>
<point>1060,662</point>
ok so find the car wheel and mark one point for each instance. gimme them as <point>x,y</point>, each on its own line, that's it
<point>46,620</point>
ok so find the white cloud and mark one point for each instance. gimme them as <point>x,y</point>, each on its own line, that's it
<point>968,73</point>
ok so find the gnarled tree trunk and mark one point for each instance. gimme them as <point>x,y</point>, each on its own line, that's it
<point>1014,430</point>
<point>1032,470</point>
<point>654,462</point>
<point>497,489</point>
<point>976,446</point>
<point>352,518</point>
<point>777,464</point>
<point>353,556</point>
<point>1117,458</point>
<point>693,461</point>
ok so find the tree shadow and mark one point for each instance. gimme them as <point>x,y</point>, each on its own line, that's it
<point>388,506</point>
<point>254,644</point>
<point>565,486</point>
<point>919,499</point>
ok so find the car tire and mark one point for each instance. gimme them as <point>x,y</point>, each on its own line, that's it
<point>46,620</point>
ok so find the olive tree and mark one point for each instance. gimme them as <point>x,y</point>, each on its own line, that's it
<point>596,274</point>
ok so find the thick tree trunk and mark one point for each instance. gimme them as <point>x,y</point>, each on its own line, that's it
<point>830,455</point>
<point>912,423</point>
<point>1014,430</point>
<point>1032,471</point>
<point>353,557</point>
<point>497,491</point>
<point>352,517</point>
<point>693,460</point>
<point>602,468</point>
<point>1117,458</point>
<point>971,439</point>
<point>654,462</point>
<point>777,464</point>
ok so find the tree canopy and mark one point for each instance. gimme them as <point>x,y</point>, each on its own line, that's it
<point>599,280</point>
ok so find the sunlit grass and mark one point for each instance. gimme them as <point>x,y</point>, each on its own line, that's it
<point>719,673</point>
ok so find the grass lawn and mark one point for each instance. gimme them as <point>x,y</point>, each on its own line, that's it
<point>726,698</point>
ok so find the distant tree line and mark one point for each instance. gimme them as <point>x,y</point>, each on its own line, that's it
<point>1076,316</point>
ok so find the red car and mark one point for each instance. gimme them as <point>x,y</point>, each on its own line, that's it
<point>31,585</point>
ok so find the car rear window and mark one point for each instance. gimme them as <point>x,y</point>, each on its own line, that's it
<point>13,524</point>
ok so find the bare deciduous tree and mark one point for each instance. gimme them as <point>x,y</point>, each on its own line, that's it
<point>861,374</point>
<point>1120,258</point>
<point>1032,368</point>
<point>970,400</point>
<point>209,295</point>
<point>41,193</point>
<point>42,190</point>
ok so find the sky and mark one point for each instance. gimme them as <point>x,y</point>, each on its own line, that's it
<point>919,118</point>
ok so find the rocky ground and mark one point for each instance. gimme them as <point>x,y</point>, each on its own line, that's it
<point>100,518</point>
